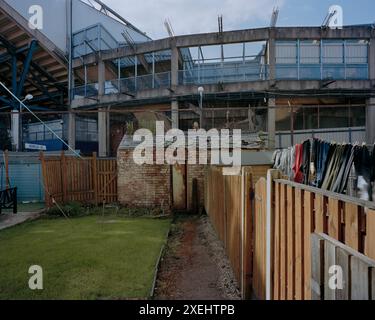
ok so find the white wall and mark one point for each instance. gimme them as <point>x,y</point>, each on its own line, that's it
<point>54,11</point>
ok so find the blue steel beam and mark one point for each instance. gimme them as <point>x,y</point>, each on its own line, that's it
<point>4,100</point>
<point>14,79</point>
<point>26,67</point>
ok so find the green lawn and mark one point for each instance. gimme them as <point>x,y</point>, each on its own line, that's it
<point>82,258</point>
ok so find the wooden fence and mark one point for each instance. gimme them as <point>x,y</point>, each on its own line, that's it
<point>283,228</point>
<point>88,180</point>
<point>228,202</point>
<point>339,272</point>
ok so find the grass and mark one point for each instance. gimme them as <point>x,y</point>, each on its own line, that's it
<point>83,258</point>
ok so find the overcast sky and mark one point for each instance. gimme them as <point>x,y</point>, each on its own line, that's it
<point>195,16</point>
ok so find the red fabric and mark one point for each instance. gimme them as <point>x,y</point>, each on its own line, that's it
<point>298,174</point>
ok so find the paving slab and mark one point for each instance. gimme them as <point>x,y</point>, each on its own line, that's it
<point>8,220</point>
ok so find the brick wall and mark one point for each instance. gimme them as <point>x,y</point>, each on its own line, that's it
<point>143,186</point>
<point>150,185</point>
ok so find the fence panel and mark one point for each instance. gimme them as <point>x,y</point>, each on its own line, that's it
<point>229,204</point>
<point>259,265</point>
<point>296,212</point>
<point>88,180</point>
<point>353,271</point>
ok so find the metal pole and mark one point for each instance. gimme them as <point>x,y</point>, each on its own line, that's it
<point>70,44</point>
<point>135,71</point>
<point>153,70</point>
<point>6,160</point>
<point>119,75</point>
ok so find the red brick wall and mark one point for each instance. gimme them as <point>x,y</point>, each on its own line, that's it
<point>150,185</point>
<point>143,186</point>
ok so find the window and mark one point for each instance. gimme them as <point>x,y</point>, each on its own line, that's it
<point>310,52</point>
<point>286,52</point>
<point>356,52</point>
<point>333,52</point>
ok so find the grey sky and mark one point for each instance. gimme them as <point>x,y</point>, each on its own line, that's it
<point>194,16</point>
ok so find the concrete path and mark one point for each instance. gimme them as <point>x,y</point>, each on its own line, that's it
<point>8,220</point>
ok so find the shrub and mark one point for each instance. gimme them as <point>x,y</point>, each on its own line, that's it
<point>71,209</point>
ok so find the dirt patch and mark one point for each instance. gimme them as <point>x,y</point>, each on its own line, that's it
<point>195,266</point>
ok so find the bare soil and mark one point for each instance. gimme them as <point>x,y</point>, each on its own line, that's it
<point>195,266</point>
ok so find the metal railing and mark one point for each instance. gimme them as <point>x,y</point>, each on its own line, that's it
<point>92,39</point>
<point>225,74</point>
<point>88,90</point>
<point>348,135</point>
<point>322,72</point>
<point>8,200</point>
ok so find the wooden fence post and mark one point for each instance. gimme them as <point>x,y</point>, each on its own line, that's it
<point>317,267</point>
<point>271,176</point>
<point>95,177</point>
<point>63,177</point>
<point>247,232</point>
<point>370,234</point>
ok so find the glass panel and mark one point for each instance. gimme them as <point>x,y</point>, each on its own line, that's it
<point>356,51</point>
<point>310,52</point>
<point>286,52</point>
<point>287,71</point>
<point>333,52</point>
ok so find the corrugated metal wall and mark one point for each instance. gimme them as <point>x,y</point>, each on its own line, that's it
<point>25,173</point>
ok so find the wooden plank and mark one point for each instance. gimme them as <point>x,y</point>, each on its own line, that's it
<point>317,267</point>
<point>352,225</point>
<point>283,243</point>
<point>326,193</point>
<point>329,262</point>
<point>308,209</point>
<point>334,219</point>
<point>95,177</point>
<point>260,249</point>
<point>370,233</point>
<point>319,213</point>
<point>276,267</point>
<point>299,244</point>
<point>248,235</point>
<point>290,243</point>
<point>359,279</point>
<point>343,260</point>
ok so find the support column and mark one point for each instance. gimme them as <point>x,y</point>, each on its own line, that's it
<point>102,114</point>
<point>175,114</point>
<point>72,130</point>
<point>101,77</point>
<point>370,108</point>
<point>272,56</point>
<point>15,130</point>
<point>370,121</point>
<point>271,123</point>
<point>103,132</point>
<point>174,66</point>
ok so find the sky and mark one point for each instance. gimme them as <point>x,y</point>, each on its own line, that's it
<point>198,16</point>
